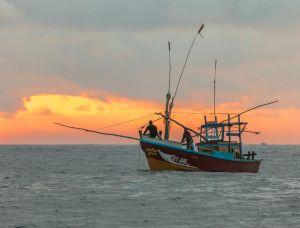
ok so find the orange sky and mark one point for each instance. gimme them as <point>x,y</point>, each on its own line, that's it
<point>33,122</point>
<point>93,68</point>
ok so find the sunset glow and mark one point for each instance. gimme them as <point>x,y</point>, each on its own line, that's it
<point>63,62</point>
<point>35,120</point>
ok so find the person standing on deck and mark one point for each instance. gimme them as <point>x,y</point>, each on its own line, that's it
<point>188,138</point>
<point>152,130</point>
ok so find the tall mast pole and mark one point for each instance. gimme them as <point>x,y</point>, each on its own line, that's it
<point>168,96</point>
<point>169,45</point>
<point>215,87</point>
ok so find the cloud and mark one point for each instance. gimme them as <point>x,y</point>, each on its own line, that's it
<point>144,14</point>
<point>35,119</point>
<point>94,14</point>
<point>65,47</point>
<point>116,52</point>
<point>16,85</point>
<point>67,105</point>
<point>135,64</point>
<point>8,11</point>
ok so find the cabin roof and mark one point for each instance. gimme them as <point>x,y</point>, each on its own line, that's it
<point>214,124</point>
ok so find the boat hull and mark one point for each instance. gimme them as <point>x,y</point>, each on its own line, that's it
<point>165,157</point>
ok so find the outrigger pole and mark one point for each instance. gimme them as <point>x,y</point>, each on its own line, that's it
<point>179,124</point>
<point>248,110</point>
<point>187,57</point>
<point>97,132</point>
<point>169,107</point>
<point>239,114</point>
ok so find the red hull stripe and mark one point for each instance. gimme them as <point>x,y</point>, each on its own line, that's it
<point>162,156</point>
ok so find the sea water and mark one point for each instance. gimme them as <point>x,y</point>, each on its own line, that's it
<point>111,186</point>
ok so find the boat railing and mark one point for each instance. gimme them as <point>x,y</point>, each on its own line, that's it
<point>161,141</point>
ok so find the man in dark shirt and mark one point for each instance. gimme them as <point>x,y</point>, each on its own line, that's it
<point>152,130</point>
<point>188,138</point>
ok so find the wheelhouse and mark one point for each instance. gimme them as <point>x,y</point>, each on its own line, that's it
<point>225,136</point>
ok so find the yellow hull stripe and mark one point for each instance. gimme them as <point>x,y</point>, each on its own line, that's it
<point>162,165</point>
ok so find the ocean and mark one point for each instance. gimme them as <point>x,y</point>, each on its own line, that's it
<point>111,186</point>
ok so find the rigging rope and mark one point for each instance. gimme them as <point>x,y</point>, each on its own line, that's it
<point>128,121</point>
<point>152,121</point>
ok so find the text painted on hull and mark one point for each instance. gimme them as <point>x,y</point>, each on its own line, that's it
<point>175,160</point>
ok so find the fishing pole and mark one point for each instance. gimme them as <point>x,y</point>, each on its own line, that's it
<point>97,132</point>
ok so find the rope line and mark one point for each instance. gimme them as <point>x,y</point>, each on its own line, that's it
<point>128,121</point>
<point>152,121</point>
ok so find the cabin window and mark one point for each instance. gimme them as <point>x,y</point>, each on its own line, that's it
<point>214,133</point>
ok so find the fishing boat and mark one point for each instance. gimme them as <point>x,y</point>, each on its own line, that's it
<point>218,146</point>
<point>219,150</point>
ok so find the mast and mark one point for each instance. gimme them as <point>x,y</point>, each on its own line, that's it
<point>240,137</point>
<point>168,97</point>
<point>229,134</point>
<point>169,106</point>
<point>215,87</point>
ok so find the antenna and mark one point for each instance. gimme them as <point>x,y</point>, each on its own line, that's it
<point>215,87</point>
<point>169,66</point>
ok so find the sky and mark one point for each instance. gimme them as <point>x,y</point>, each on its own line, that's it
<point>95,63</point>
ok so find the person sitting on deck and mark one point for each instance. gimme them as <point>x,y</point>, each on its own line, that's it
<point>188,138</point>
<point>152,130</point>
